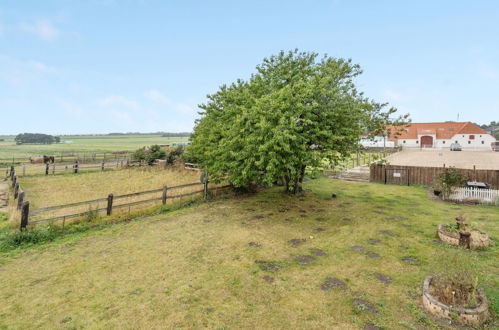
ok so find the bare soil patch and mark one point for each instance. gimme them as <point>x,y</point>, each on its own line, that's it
<point>333,283</point>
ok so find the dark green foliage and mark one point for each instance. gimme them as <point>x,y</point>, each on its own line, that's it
<point>14,239</point>
<point>175,154</point>
<point>295,112</point>
<point>35,138</point>
<point>450,179</point>
<point>150,154</point>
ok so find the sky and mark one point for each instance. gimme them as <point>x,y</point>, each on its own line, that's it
<point>101,66</point>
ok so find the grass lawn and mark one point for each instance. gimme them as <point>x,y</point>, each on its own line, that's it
<point>266,261</point>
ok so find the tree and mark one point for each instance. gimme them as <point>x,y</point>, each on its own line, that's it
<point>34,138</point>
<point>150,154</point>
<point>294,112</point>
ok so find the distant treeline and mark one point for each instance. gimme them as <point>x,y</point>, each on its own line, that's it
<point>36,138</point>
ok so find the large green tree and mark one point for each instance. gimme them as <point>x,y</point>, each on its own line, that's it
<point>294,112</point>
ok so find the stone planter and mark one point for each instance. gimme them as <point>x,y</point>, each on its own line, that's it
<point>468,316</point>
<point>479,239</point>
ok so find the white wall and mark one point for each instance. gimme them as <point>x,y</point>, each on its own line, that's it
<point>462,139</point>
<point>377,143</point>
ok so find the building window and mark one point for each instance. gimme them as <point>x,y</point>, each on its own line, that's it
<point>403,141</point>
<point>469,142</point>
<point>480,136</point>
<point>483,142</point>
<point>472,137</point>
<point>443,142</point>
<point>455,141</point>
<point>463,135</point>
<point>417,142</point>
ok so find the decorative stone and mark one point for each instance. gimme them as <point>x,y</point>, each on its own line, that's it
<point>468,316</point>
<point>478,238</point>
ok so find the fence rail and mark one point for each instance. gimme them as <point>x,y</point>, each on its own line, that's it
<point>428,176</point>
<point>470,194</point>
<point>69,157</point>
<point>110,205</point>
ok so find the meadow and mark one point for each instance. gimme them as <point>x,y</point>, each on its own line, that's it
<point>45,191</point>
<point>266,260</point>
<point>83,144</point>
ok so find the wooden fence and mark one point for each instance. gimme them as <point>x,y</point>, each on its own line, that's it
<point>76,167</point>
<point>428,176</point>
<point>107,204</point>
<point>469,194</point>
<point>70,157</point>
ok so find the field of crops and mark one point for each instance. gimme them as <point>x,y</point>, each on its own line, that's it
<point>83,144</point>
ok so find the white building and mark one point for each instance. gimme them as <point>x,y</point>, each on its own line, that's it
<point>441,136</point>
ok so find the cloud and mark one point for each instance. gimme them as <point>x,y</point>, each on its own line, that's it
<point>120,101</point>
<point>157,96</point>
<point>43,29</point>
<point>40,66</point>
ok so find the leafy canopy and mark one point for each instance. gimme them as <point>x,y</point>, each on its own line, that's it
<point>294,112</point>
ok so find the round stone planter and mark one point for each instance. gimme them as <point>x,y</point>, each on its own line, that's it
<point>468,316</point>
<point>479,239</point>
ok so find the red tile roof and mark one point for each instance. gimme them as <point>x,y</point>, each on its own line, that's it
<point>444,130</point>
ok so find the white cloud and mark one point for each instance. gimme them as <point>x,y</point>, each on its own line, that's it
<point>43,29</point>
<point>157,96</point>
<point>121,101</point>
<point>40,66</point>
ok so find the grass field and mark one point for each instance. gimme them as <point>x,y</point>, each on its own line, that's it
<point>266,261</point>
<point>43,191</point>
<point>84,144</point>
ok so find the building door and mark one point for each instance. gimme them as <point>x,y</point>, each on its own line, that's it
<point>426,141</point>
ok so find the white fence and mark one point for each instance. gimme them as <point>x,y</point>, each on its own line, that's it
<point>483,196</point>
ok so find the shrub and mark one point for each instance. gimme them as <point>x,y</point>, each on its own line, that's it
<point>150,154</point>
<point>14,239</point>
<point>448,180</point>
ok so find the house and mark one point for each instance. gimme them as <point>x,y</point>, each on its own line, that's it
<point>441,135</point>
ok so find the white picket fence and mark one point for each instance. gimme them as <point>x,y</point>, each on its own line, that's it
<point>483,196</point>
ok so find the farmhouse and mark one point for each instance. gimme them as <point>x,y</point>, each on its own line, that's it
<point>441,135</point>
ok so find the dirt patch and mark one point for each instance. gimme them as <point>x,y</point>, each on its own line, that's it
<point>296,242</point>
<point>302,211</point>
<point>258,217</point>
<point>250,210</point>
<point>321,219</point>
<point>319,229</point>
<point>318,252</point>
<point>268,279</point>
<point>346,219</point>
<point>358,248</point>
<point>370,326</point>
<point>364,306</point>
<point>333,283</point>
<point>254,244</point>
<point>374,241</point>
<point>267,266</point>
<point>206,220</point>
<point>411,260</point>
<point>373,255</point>
<point>387,232</point>
<point>383,278</point>
<point>304,259</point>
<point>320,210</point>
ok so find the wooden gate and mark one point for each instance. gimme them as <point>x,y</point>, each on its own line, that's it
<point>397,176</point>
<point>426,141</point>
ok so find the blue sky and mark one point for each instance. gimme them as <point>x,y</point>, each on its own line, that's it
<point>99,66</point>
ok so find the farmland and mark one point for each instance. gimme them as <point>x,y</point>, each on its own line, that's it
<point>266,260</point>
<point>83,144</point>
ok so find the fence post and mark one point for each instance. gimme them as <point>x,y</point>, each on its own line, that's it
<point>24,215</point>
<point>205,187</point>
<point>102,165</point>
<point>16,190</point>
<point>20,200</point>
<point>76,166</point>
<point>11,172</point>
<point>163,197</point>
<point>24,170</point>
<point>46,168</point>
<point>109,209</point>
<point>14,180</point>
<point>53,169</point>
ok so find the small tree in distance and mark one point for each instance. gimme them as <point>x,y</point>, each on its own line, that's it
<point>294,112</point>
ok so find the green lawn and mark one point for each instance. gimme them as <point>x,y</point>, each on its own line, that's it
<point>260,261</point>
<point>81,144</point>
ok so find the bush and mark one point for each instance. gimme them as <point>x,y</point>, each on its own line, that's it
<point>150,154</point>
<point>450,179</point>
<point>175,154</point>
